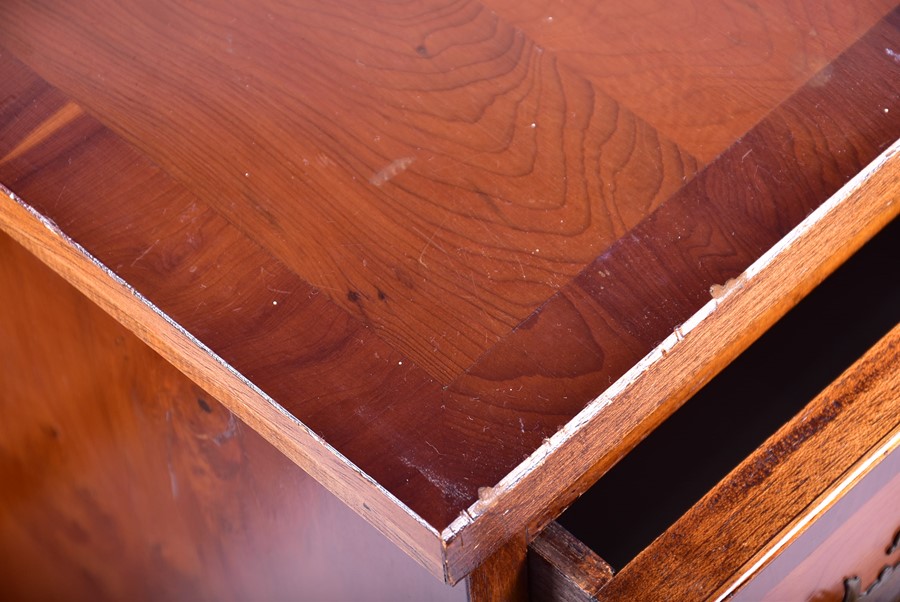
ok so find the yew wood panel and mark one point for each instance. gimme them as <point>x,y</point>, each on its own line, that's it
<point>702,73</point>
<point>426,166</point>
<point>122,480</point>
<point>170,141</point>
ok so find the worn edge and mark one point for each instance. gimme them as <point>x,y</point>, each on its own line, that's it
<point>394,519</point>
<point>473,535</point>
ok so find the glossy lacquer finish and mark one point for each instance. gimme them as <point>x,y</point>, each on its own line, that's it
<point>122,480</point>
<point>431,231</point>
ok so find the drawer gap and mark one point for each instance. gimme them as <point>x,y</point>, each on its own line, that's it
<point>735,412</point>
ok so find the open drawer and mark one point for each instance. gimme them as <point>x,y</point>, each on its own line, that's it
<point>810,512</point>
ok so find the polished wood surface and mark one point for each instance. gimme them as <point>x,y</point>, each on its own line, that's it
<point>410,161</point>
<point>701,73</point>
<point>565,466</point>
<point>431,233</point>
<point>779,490</point>
<point>122,480</point>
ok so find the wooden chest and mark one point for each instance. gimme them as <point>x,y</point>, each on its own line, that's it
<point>402,301</point>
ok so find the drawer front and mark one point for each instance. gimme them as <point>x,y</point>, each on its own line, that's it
<point>850,552</point>
<point>811,509</point>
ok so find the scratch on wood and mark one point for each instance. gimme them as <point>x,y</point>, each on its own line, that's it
<point>144,254</point>
<point>229,432</point>
<point>434,448</point>
<point>173,480</point>
<point>392,170</point>
<point>429,243</point>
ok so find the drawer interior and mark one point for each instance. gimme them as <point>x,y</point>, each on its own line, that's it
<point>766,386</point>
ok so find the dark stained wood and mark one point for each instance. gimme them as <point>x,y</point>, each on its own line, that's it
<point>122,480</point>
<point>824,450</point>
<point>503,577</point>
<point>338,218</point>
<point>851,539</point>
<point>704,73</point>
<point>562,568</point>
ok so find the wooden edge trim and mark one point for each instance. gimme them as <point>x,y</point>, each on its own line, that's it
<point>561,567</point>
<point>570,461</point>
<point>791,532</point>
<point>199,363</point>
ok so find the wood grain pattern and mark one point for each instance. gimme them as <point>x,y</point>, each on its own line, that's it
<point>562,569</point>
<point>282,334</point>
<point>613,423</point>
<point>339,220</point>
<point>636,297</point>
<point>853,421</point>
<point>43,238</point>
<point>704,73</point>
<point>122,480</point>
<point>432,171</point>
<point>852,538</point>
<point>503,577</point>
